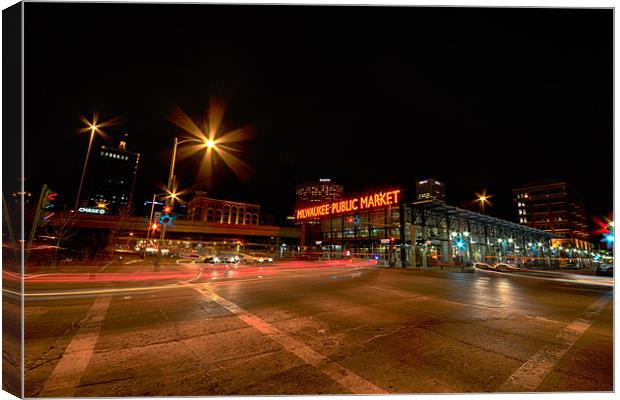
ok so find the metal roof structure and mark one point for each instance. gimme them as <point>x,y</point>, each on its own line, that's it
<point>444,209</point>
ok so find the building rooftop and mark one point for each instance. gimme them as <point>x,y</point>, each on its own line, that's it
<point>443,208</point>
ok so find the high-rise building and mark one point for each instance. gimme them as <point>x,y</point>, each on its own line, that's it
<point>110,178</point>
<point>431,189</point>
<point>309,193</point>
<point>556,208</point>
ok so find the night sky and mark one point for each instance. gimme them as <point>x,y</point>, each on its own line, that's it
<point>372,97</point>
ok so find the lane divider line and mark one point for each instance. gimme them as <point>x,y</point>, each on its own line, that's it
<point>66,376</point>
<point>531,374</point>
<point>347,379</point>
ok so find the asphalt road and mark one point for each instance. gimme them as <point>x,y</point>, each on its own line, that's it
<point>313,328</point>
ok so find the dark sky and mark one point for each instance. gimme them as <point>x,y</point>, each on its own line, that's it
<point>371,97</point>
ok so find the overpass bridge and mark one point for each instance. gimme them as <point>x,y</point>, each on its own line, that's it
<point>187,229</point>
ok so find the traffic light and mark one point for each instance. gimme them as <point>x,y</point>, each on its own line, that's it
<point>356,219</point>
<point>155,226</point>
<point>47,201</point>
<point>166,215</point>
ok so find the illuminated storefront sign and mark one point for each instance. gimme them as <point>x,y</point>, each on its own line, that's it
<point>91,210</point>
<point>380,199</point>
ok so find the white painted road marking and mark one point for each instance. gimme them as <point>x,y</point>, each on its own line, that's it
<point>66,376</point>
<point>531,374</point>
<point>347,379</point>
<point>106,266</point>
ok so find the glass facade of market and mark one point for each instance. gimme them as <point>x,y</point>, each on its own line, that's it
<point>362,234</point>
<point>429,232</point>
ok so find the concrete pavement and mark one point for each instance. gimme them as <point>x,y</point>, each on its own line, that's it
<point>323,329</point>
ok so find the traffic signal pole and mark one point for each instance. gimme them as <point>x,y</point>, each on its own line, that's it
<point>35,222</point>
<point>167,203</point>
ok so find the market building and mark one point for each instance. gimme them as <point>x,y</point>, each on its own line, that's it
<point>384,226</point>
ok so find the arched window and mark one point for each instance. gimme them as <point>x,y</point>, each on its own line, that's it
<point>218,216</point>
<point>247,219</point>
<point>234,216</point>
<point>210,215</point>
<point>241,214</point>
<point>226,216</point>
<point>254,219</point>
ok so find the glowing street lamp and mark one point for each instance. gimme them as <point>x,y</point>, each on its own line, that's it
<point>206,143</point>
<point>209,133</point>
<point>93,127</point>
<point>483,199</point>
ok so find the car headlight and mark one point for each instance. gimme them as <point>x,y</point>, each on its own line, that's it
<point>215,259</point>
<point>261,260</point>
<point>270,259</point>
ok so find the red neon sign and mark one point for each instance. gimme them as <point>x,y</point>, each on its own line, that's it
<point>379,199</point>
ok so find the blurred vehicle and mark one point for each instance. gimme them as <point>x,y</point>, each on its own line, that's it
<point>604,270</point>
<point>503,267</point>
<point>482,265</point>
<point>571,265</point>
<point>196,260</point>
<point>256,257</point>
<point>210,260</point>
<point>228,258</point>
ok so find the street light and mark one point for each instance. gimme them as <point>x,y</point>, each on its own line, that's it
<point>205,143</point>
<point>172,194</point>
<point>219,143</point>
<point>483,198</point>
<point>93,127</point>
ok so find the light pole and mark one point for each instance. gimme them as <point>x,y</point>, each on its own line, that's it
<point>206,143</point>
<point>93,127</point>
<point>90,144</point>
